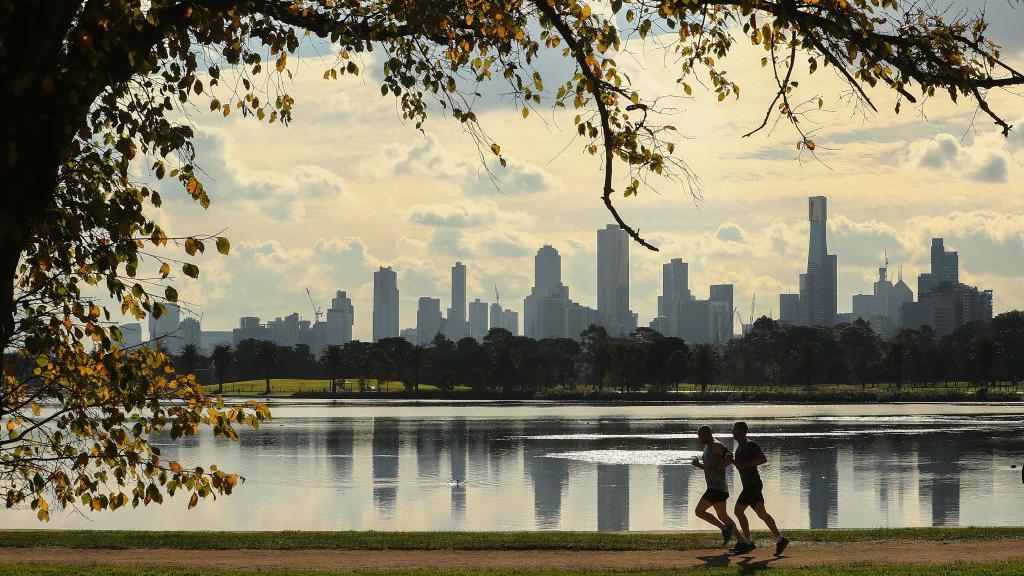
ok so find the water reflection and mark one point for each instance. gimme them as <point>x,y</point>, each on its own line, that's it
<point>478,470</point>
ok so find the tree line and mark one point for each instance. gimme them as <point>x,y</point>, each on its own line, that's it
<point>770,354</point>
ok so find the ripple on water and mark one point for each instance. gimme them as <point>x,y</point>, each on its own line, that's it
<point>642,457</point>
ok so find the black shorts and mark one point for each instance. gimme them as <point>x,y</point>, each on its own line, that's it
<point>750,495</point>
<point>715,496</point>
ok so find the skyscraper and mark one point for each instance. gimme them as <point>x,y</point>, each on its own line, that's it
<point>478,319</point>
<point>165,328</point>
<point>385,304</point>
<point>455,326</point>
<point>548,299</point>
<point>818,285</point>
<point>945,269</point>
<point>721,313</point>
<point>340,318</point>
<point>428,319</point>
<point>613,281</point>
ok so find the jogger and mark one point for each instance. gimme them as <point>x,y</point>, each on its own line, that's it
<point>748,457</point>
<point>715,460</point>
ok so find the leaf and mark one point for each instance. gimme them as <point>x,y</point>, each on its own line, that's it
<point>165,270</point>
<point>171,294</point>
<point>190,270</point>
<point>193,501</point>
<point>191,246</point>
<point>496,149</point>
<point>526,112</point>
<point>223,245</point>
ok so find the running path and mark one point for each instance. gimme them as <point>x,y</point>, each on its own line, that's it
<point>798,554</point>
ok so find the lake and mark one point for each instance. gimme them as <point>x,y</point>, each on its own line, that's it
<point>322,465</point>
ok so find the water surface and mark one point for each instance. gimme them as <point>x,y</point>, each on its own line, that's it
<point>545,466</point>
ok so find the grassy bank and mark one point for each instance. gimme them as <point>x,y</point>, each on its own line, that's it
<point>1004,569</point>
<point>124,539</point>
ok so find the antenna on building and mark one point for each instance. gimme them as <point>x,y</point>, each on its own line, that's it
<point>497,297</point>
<point>753,301</point>
<point>317,311</point>
<point>886,252</point>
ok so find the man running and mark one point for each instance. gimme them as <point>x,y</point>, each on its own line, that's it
<point>748,457</point>
<point>715,461</point>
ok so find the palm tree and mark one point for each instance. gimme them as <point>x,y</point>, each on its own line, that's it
<point>331,356</point>
<point>266,355</point>
<point>707,365</point>
<point>189,358</point>
<point>221,361</point>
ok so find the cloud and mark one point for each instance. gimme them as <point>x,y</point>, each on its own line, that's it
<point>516,178</point>
<point>730,232</point>
<point>453,216</point>
<point>986,158</point>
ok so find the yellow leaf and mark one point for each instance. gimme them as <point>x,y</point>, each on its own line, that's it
<point>495,148</point>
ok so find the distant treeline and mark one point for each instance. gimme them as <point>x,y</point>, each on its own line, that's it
<point>770,354</point>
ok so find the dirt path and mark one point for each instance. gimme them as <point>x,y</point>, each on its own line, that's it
<point>798,554</point>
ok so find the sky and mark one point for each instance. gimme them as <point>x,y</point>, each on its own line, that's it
<point>348,187</point>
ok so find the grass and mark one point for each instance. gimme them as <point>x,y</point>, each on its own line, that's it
<point>1003,569</point>
<point>368,540</point>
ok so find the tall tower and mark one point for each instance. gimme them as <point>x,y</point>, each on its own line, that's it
<point>458,310</point>
<point>547,270</point>
<point>340,318</point>
<point>818,290</point>
<point>546,303</point>
<point>613,280</point>
<point>385,304</point>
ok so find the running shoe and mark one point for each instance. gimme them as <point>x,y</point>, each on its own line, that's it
<point>742,547</point>
<point>727,534</point>
<point>781,545</point>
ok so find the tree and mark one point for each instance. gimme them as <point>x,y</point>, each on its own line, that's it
<point>267,356</point>
<point>221,362</point>
<point>189,358</point>
<point>596,355</point>
<point>95,90</point>
<point>674,370</point>
<point>707,365</point>
<point>1008,330</point>
<point>331,357</point>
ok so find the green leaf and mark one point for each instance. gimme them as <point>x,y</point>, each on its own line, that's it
<point>223,245</point>
<point>190,270</point>
<point>171,294</point>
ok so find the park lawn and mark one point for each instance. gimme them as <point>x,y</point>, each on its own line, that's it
<point>1004,569</point>
<point>370,540</point>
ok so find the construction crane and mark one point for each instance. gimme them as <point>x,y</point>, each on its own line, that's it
<point>317,311</point>
<point>743,326</point>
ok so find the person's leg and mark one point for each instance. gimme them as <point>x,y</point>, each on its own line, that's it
<point>723,515</point>
<point>740,511</point>
<point>702,513</point>
<point>765,517</point>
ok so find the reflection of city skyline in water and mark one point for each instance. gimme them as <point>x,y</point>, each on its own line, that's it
<point>493,474</point>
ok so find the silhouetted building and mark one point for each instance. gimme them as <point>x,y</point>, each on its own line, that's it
<point>818,290</point>
<point>675,293</point>
<point>455,326</point>
<point>945,268</point>
<point>545,307</point>
<point>385,465</point>
<point>385,304</point>
<point>340,319</point>
<point>249,328</point>
<point>210,339</point>
<point>789,309</point>
<point>613,281</point>
<point>284,331</point>
<point>428,319</point>
<point>721,313</point>
<point>478,319</point>
<point>163,331</point>
<point>945,303</point>
<point>578,318</point>
<point>883,307</point>
<point>191,333</point>
<point>510,321</point>
<point>131,335</point>
<point>410,335</point>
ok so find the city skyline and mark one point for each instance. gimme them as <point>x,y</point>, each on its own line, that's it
<point>549,312</point>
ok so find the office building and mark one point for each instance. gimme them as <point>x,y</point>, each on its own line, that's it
<point>789,309</point>
<point>284,331</point>
<point>818,290</point>
<point>249,328</point>
<point>410,335</point>
<point>340,320</point>
<point>210,339</point>
<point>945,268</point>
<point>613,281</point>
<point>722,312</point>
<point>546,305</point>
<point>191,333</point>
<point>945,303</point>
<point>163,331</point>
<point>385,304</point>
<point>131,335</point>
<point>428,320</point>
<point>478,321</point>
<point>882,308</point>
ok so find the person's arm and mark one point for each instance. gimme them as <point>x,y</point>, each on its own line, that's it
<point>726,457</point>
<point>759,460</point>
<point>696,463</point>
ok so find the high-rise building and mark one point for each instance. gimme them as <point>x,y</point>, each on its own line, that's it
<point>478,319</point>
<point>249,328</point>
<point>385,304</point>
<point>545,306</point>
<point>164,330</point>
<point>510,321</point>
<point>191,333</point>
<point>131,335</point>
<point>495,316</point>
<point>613,281</point>
<point>455,326</point>
<point>410,335</point>
<point>789,308</point>
<point>210,339</point>
<point>340,319</point>
<point>284,331</point>
<point>675,291</point>
<point>945,303</point>
<point>428,319</point>
<point>818,289</point>
<point>722,313</point>
<point>579,318</point>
